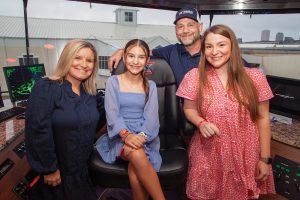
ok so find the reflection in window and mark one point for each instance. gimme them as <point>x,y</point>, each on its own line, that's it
<point>128,17</point>
<point>103,62</point>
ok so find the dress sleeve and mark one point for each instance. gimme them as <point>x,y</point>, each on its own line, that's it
<point>263,89</point>
<point>115,122</point>
<point>188,87</point>
<point>40,148</point>
<point>151,119</point>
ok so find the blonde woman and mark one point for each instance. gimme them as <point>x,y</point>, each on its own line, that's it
<point>61,122</point>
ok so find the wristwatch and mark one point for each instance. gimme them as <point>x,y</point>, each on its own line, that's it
<point>266,160</point>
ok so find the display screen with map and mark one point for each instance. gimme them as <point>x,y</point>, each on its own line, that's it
<point>21,79</point>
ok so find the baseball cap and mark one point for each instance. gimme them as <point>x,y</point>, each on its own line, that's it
<point>186,12</point>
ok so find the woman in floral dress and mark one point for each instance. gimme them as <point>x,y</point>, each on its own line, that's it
<point>229,154</point>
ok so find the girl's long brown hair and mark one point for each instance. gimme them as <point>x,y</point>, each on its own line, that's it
<point>239,84</point>
<point>145,47</point>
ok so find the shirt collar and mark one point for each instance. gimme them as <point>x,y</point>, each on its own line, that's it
<point>69,90</point>
<point>184,51</point>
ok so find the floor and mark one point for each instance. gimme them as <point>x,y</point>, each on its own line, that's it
<point>272,197</point>
<point>125,194</point>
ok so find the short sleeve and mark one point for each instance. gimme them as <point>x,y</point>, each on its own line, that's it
<point>188,88</point>
<point>163,52</point>
<point>262,86</point>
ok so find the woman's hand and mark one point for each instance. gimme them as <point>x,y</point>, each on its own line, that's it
<point>208,129</point>
<point>135,141</point>
<point>263,171</point>
<point>53,179</point>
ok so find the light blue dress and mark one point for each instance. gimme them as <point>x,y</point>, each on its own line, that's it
<point>126,110</point>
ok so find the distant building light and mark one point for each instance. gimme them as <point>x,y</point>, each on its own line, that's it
<point>49,46</point>
<point>11,60</point>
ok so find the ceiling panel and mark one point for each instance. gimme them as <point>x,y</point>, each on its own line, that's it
<point>214,6</point>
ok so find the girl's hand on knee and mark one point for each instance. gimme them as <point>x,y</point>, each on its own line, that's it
<point>126,151</point>
<point>135,141</point>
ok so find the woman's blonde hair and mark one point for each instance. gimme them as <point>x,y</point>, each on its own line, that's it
<point>66,59</point>
<point>240,85</point>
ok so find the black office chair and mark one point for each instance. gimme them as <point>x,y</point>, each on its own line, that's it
<point>172,174</point>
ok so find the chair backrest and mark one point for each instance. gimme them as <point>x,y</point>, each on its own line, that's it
<point>161,73</point>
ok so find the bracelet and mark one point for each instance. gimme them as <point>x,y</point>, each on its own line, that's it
<point>123,134</point>
<point>200,123</point>
<point>124,138</point>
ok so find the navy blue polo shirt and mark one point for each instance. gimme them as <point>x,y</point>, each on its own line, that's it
<point>178,58</point>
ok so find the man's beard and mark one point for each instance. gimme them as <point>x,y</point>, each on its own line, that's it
<point>190,42</point>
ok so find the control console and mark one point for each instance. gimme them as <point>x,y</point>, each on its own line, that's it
<point>287,177</point>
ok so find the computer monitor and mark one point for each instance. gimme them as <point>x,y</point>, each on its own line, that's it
<point>286,99</point>
<point>21,79</point>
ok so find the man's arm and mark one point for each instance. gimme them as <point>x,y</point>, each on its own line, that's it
<point>114,59</point>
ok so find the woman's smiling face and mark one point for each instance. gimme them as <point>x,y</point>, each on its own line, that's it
<point>217,50</point>
<point>82,65</point>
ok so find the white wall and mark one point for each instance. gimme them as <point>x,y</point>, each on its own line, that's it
<point>283,65</point>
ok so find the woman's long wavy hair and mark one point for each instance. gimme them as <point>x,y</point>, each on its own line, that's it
<point>239,84</point>
<point>66,59</point>
<point>145,48</point>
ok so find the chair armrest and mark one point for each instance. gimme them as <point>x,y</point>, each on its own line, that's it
<point>188,128</point>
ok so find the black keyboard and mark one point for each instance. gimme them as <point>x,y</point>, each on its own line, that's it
<point>14,111</point>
